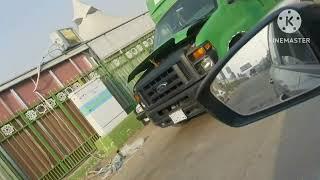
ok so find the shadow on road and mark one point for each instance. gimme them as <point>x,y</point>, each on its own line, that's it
<point>298,156</point>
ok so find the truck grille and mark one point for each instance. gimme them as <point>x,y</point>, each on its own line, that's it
<point>167,84</point>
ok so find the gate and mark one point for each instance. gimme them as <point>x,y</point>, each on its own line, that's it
<point>48,140</point>
<point>52,138</point>
<point>120,65</point>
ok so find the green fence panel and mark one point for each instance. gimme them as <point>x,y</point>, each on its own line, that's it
<point>48,140</point>
<point>118,67</point>
<point>45,143</point>
<point>7,170</point>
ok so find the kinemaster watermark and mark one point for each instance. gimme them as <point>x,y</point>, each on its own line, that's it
<point>290,21</point>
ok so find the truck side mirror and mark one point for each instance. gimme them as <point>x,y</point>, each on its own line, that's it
<point>273,67</point>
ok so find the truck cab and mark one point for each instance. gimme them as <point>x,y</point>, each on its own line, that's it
<point>190,37</point>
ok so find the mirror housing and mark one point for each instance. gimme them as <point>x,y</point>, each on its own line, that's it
<point>224,113</point>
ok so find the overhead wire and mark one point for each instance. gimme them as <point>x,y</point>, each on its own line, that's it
<point>51,111</point>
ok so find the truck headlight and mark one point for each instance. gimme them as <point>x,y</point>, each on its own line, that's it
<point>204,65</point>
<point>143,105</point>
<point>139,109</point>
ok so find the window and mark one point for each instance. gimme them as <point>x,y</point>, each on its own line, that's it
<point>182,14</point>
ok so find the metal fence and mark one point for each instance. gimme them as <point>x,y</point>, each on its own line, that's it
<point>52,138</point>
<point>6,170</point>
<point>48,140</point>
<point>117,68</point>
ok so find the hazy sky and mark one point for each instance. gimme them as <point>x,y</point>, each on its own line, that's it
<point>253,52</point>
<point>25,26</point>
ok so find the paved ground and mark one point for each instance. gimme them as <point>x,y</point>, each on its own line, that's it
<point>254,94</point>
<point>284,147</point>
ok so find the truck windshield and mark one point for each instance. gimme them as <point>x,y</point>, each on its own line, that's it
<point>182,14</point>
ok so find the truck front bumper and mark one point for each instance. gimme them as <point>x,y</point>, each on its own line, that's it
<point>185,101</point>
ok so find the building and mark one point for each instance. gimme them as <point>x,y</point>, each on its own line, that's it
<point>91,22</point>
<point>17,94</point>
<point>106,33</point>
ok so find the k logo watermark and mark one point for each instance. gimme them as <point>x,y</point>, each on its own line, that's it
<point>289,21</point>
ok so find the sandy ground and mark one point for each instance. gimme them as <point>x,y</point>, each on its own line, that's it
<point>205,149</point>
<point>283,147</point>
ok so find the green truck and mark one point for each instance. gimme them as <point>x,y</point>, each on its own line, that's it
<point>190,37</point>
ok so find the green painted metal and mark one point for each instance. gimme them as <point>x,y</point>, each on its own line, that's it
<point>31,125</point>
<point>226,21</point>
<point>73,160</point>
<point>110,143</point>
<point>157,8</point>
<point>69,116</point>
<point>116,68</point>
<point>7,171</point>
<point>40,137</point>
<point>223,24</point>
<point>72,120</point>
<point>22,128</point>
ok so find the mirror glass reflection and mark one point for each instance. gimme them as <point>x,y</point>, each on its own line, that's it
<point>271,68</point>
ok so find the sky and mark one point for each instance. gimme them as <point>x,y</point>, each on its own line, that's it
<point>25,26</point>
<point>253,52</point>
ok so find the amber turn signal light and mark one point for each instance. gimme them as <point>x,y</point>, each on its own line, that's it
<point>137,98</point>
<point>199,53</point>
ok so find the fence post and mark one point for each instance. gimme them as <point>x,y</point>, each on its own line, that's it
<point>73,121</point>
<point>43,141</point>
<point>69,116</point>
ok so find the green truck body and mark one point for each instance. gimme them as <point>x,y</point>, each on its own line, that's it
<point>190,36</point>
<point>226,21</point>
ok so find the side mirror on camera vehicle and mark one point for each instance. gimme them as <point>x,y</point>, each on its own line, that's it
<point>271,69</point>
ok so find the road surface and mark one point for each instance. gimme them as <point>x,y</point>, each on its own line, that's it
<point>283,147</point>
<point>253,95</point>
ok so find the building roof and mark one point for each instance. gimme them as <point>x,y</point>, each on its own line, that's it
<point>81,10</point>
<point>128,27</point>
<point>47,65</point>
<point>92,22</point>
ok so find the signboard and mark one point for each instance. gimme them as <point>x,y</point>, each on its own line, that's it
<point>98,106</point>
<point>245,67</point>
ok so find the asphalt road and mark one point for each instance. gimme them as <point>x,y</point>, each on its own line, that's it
<point>283,147</point>
<point>253,95</point>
